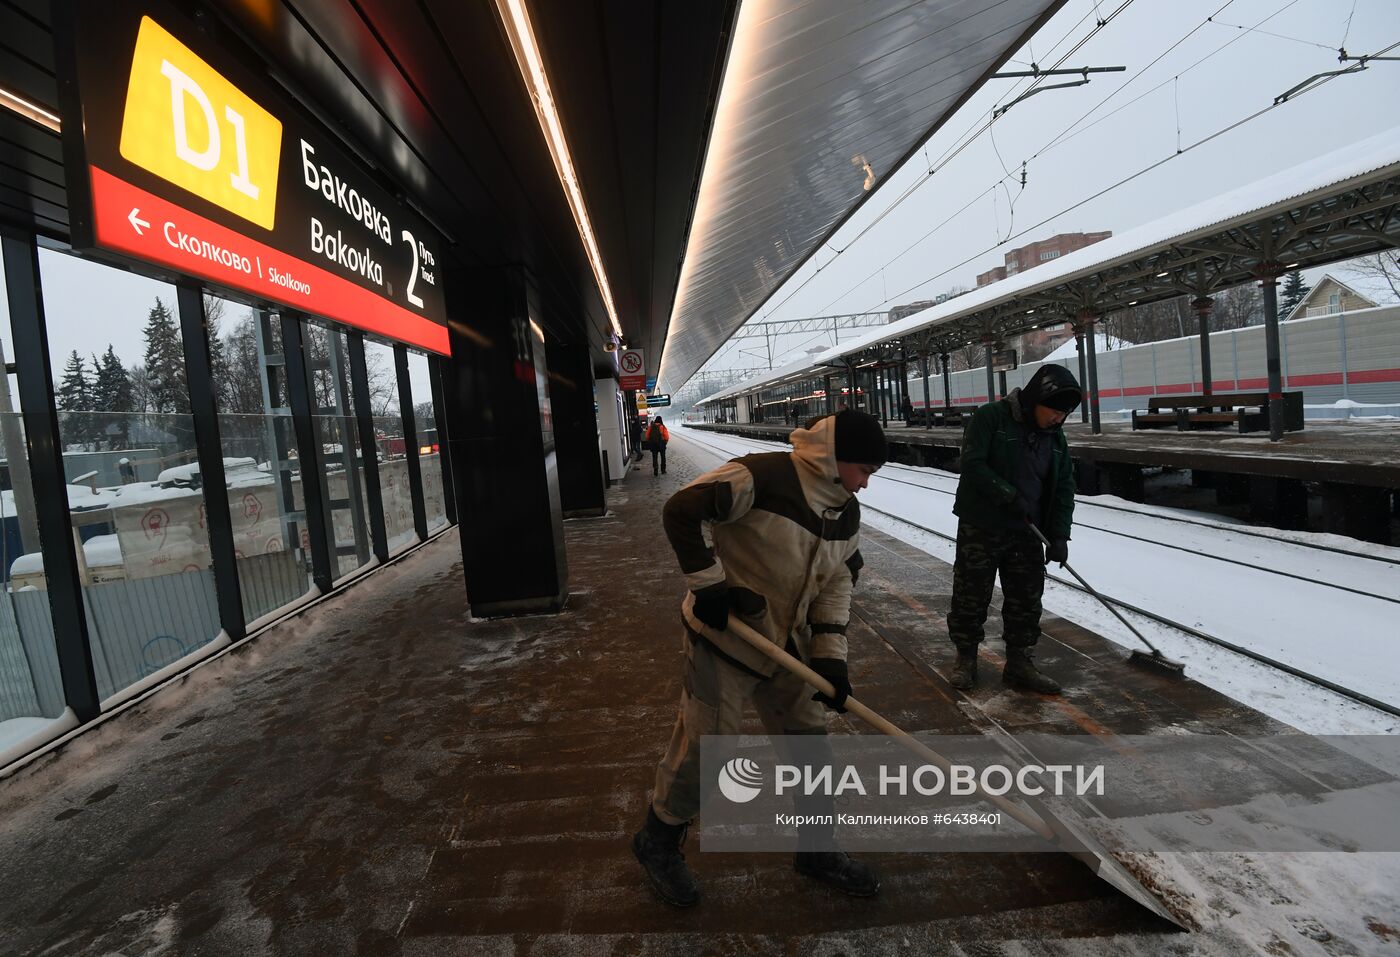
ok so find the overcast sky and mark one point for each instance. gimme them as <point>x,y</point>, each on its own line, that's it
<point>892,264</point>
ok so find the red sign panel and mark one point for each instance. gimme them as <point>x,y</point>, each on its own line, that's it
<point>141,224</point>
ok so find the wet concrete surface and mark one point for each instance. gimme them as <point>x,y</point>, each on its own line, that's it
<point>383,775</point>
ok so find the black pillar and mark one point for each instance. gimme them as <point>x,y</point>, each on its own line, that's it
<point>991,379</point>
<point>943,362</point>
<point>410,442</point>
<point>575,429</point>
<point>1202,306</point>
<point>928,406</point>
<point>41,434</point>
<point>313,496</point>
<point>449,491</point>
<point>1091,355</point>
<point>501,434</point>
<point>1268,274</point>
<point>199,378</point>
<point>1083,375</point>
<point>369,444</point>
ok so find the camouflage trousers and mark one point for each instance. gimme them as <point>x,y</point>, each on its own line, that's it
<point>982,554</point>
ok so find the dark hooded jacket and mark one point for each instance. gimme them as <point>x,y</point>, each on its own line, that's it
<point>1003,454</point>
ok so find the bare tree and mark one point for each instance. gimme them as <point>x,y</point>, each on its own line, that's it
<point>1383,267</point>
<point>1237,307</point>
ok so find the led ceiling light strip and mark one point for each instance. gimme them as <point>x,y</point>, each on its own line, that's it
<point>29,111</point>
<point>527,56</point>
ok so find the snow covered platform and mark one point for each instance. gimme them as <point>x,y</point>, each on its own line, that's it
<point>384,775</point>
<point>1353,451</point>
<point>1354,464</point>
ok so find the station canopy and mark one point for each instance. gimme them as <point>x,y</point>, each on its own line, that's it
<point>1338,206</point>
<point>821,101</point>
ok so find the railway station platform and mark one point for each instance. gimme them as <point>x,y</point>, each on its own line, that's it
<point>384,775</point>
<point>1352,466</point>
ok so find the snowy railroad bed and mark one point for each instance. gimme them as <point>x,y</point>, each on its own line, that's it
<point>1146,559</point>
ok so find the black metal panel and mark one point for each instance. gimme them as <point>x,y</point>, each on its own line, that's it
<point>369,447</point>
<point>410,441</point>
<point>502,447</point>
<point>449,491</point>
<point>575,430</point>
<point>22,284</point>
<point>199,375</point>
<point>308,451</point>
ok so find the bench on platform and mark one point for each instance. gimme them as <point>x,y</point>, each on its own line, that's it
<point>942,415</point>
<point>1249,411</point>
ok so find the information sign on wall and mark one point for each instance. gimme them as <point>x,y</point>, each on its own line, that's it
<point>179,155</point>
<point>1004,360</point>
<point>658,401</point>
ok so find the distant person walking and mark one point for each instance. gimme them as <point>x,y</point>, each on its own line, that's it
<point>657,437</point>
<point>637,436</point>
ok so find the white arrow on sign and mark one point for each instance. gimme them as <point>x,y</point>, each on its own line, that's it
<point>136,222</point>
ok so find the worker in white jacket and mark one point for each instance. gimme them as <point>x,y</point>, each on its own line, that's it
<point>774,538</point>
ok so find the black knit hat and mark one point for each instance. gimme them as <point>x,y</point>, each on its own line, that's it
<point>1053,386</point>
<point>859,438</point>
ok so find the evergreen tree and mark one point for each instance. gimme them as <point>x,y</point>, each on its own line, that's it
<point>112,396</point>
<point>75,398</point>
<point>1294,291</point>
<point>165,362</point>
<point>74,392</point>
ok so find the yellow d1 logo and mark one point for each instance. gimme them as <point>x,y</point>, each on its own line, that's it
<point>185,123</point>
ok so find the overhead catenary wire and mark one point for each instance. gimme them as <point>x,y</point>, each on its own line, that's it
<point>943,161</point>
<point>1127,179</point>
<point>1061,138</point>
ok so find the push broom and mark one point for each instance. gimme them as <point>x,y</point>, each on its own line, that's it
<point>1156,661</point>
<point>1066,834</point>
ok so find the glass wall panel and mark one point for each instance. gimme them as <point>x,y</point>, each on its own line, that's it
<point>261,462</point>
<point>31,689</point>
<point>133,473</point>
<point>388,431</point>
<point>425,424</point>
<point>328,362</point>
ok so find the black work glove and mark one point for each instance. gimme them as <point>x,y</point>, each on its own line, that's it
<point>712,606</point>
<point>1023,509</point>
<point>1057,551</point>
<point>833,670</point>
<point>749,604</point>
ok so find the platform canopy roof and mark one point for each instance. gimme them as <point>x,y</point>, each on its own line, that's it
<point>1338,206</point>
<point>821,101</point>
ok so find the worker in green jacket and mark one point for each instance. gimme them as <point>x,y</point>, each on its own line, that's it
<point>1016,470</point>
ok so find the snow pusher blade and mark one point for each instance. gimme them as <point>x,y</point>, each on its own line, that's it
<point>1057,829</point>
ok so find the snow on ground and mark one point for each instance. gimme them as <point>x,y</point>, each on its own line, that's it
<point>1345,637</point>
<point>14,730</point>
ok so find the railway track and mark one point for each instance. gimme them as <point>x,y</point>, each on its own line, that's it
<point>1163,620</point>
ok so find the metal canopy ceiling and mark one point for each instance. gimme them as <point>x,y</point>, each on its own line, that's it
<point>815,90</point>
<point>1339,206</point>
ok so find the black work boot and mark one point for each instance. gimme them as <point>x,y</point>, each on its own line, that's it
<point>840,870</point>
<point>658,849</point>
<point>1021,672</point>
<point>964,673</point>
<point>818,856</point>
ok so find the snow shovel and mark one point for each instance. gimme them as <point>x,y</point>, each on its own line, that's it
<point>1069,837</point>
<point>1155,662</point>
